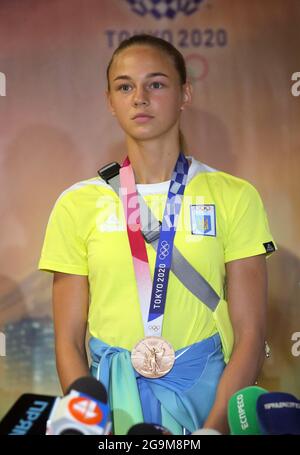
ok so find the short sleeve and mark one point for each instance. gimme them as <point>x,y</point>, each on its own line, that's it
<point>63,250</point>
<point>248,232</point>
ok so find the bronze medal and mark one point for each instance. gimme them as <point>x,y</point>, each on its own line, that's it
<point>153,357</point>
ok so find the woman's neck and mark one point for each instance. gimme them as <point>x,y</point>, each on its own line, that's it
<point>152,162</point>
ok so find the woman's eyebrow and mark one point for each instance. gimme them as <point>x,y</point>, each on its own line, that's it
<point>128,78</point>
<point>156,74</point>
<point>122,77</point>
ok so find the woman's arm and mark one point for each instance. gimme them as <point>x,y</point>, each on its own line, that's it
<point>70,309</point>
<point>247,300</point>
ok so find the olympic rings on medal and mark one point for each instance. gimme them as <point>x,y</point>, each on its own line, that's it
<point>154,328</point>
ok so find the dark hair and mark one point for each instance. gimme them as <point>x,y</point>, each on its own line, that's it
<point>153,41</point>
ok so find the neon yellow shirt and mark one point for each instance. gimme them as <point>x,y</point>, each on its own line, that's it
<point>222,219</point>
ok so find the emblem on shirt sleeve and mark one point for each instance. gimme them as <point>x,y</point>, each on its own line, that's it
<point>269,247</point>
<point>203,219</point>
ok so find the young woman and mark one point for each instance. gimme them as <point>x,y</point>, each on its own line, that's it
<point>174,332</point>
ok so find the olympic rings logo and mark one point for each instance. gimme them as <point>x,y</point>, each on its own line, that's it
<point>154,328</point>
<point>164,250</point>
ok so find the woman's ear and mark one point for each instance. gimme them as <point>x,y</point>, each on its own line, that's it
<point>187,95</point>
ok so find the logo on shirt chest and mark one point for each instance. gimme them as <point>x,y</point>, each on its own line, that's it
<point>203,219</point>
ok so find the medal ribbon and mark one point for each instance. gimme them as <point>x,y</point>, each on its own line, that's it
<point>152,296</point>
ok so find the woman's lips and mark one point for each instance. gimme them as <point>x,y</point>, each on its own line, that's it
<point>142,118</point>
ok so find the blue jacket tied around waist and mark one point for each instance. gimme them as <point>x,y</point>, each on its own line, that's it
<point>180,399</point>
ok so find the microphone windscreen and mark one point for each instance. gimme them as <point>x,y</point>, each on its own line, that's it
<point>71,432</point>
<point>84,409</point>
<point>242,417</point>
<point>28,415</point>
<point>148,428</point>
<point>278,413</point>
<point>91,387</point>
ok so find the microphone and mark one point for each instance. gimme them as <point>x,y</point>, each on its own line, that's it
<point>206,431</point>
<point>242,416</point>
<point>278,413</point>
<point>28,416</point>
<point>84,410</point>
<point>148,428</point>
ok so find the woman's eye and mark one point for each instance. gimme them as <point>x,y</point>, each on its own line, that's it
<point>156,84</point>
<point>124,88</point>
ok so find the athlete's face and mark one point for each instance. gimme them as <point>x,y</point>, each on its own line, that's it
<point>145,93</point>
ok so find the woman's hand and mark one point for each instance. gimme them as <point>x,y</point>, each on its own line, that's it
<point>247,300</point>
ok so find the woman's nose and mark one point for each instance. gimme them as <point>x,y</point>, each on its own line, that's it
<point>140,98</point>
